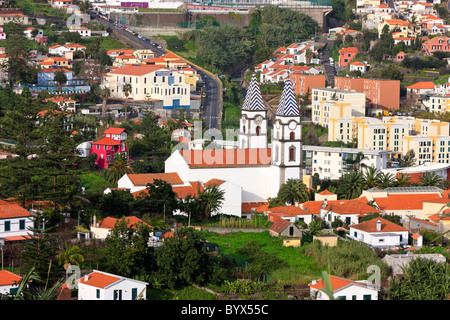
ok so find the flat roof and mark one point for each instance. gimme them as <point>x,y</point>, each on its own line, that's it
<point>344,150</point>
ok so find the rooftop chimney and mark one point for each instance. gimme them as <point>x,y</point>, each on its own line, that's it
<point>378,225</point>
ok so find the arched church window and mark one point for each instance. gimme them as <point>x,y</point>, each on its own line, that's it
<point>292,135</point>
<point>243,129</point>
<point>258,130</point>
<point>277,150</point>
<point>292,154</point>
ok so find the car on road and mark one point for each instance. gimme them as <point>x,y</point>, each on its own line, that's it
<point>204,95</point>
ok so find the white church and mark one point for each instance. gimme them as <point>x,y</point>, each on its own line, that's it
<point>255,169</point>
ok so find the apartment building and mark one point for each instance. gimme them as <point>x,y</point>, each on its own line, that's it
<point>380,93</point>
<point>303,82</point>
<point>436,103</point>
<point>150,83</point>
<point>333,162</point>
<point>330,103</point>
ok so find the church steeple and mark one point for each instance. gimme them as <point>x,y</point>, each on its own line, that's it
<point>286,137</point>
<point>253,124</point>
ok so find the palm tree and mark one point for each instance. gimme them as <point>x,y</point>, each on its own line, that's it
<point>117,168</point>
<point>370,176</point>
<point>127,89</point>
<point>386,180</point>
<point>104,94</point>
<point>352,185</point>
<point>69,256</point>
<point>357,161</point>
<point>30,288</point>
<point>210,199</point>
<point>293,191</point>
<point>431,179</point>
<point>403,180</point>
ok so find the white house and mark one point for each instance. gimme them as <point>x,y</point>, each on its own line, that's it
<point>359,66</point>
<point>9,282</point>
<point>101,229</point>
<point>348,211</point>
<point>15,221</point>
<point>344,289</point>
<point>58,49</point>
<point>379,233</point>
<point>100,285</point>
<point>83,31</point>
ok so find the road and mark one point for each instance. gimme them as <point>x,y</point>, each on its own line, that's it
<point>328,69</point>
<point>211,104</point>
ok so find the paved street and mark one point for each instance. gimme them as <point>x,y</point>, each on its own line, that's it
<point>210,104</point>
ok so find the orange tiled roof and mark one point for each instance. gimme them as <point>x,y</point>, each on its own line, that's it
<point>136,70</point>
<point>336,283</point>
<point>422,85</point>
<point>215,182</point>
<point>397,22</point>
<point>288,211</point>
<point>12,210</point>
<point>109,222</point>
<point>145,178</point>
<point>348,49</point>
<point>113,130</point>
<point>371,226</point>
<point>325,193</point>
<point>8,278</point>
<point>227,157</point>
<point>279,225</point>
<point>99,280</point>
<point>107,142</point>
<point>314,207</point>
<point>402,201</point>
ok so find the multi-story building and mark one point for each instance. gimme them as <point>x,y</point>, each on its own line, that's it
<point>436,103</point>
<point>114,142</point>
<point>303,82</point>
<point>380,93</point>
<point>346,55</point>
<point>329,103</point>
<point>8,15</point>
<point>333,162</point>
<point>439,43</point>
<point>150,82</point>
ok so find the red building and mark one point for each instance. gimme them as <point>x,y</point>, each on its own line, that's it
<point>106,148</point>
<point>439,43</point>
<point>346,55</point>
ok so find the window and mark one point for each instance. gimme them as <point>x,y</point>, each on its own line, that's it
<point>258,129</point>
<point>133,293</point>
<point>367,297</point>
<point>292,154</point>
<point>292,136</point>
<point>117,294</point>
<point>22,224</point>
<point>98,294</point>
<point>7,225</point>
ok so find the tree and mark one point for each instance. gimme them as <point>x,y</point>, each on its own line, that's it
<point>422,279</point>
<point>17,48</point>
<point>211,199</point>
<point>127,251</point>
<point>118,203</point>
<point>403,180</point>
<point>118,168</point>
<point>104,94</point>
<point>293,191</point>
<point>160,198</point>
<point>183,259</point>
<point>60,77</point>
<point>370,177</point>
<point>19,124</point>
<point>351,185</point>
<point>385,180</point>
<point>69,256</point>
<point>357,161</point>
<point>33,287</point>
<point>409,159</point>
<point>431,179</point>
<point>127,89</point>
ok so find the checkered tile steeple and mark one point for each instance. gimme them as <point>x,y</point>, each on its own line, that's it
<point>288,105</point>
<point>253,100</point>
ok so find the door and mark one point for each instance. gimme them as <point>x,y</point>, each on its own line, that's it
<point>117,294</point>
<point>133,293</point>
<point>176,103</point>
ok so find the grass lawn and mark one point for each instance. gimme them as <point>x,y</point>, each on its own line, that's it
<point>186,293</point>
<point>107,43</point>
<point>299,270</point>
<point>30,7</point>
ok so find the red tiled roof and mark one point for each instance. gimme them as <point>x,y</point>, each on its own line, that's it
<point>247,207</point>
<point>115,130</point>
<point>99,280</point>
<point>325,193</point>
<point>12,210</point>
<point>289,211</point>
<point>143,179</point>
<point>336,283</point>
<point>107,142</point>
<point>136,70</point>
<point>422,85</point>
<point>214,182</point>
<point>109,222</point>
<point>8,278</point>
<point>371,226</point>
<point>227,157</point>
<point>279,225</point>
<point>402,201</point>
<point>314,207</point>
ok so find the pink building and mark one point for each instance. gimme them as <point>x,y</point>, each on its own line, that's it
<point>106,148</point>
<point>346,55</point>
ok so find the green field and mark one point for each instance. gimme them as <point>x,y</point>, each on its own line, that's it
<point>298,268</point>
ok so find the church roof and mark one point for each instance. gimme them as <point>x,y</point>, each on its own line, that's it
<point>253,99</point>
<point>288,104</point>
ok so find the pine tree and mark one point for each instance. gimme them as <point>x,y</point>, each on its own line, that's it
<point>19,125</point>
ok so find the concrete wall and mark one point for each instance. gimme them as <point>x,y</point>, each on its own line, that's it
<point>228,230</point>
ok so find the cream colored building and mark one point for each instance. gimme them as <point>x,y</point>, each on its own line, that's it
<point>436,103</point>
<point>329,103</point>
<point>143,54</point>
<point>150,83</point>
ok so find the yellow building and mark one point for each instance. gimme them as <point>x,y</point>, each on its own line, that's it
<point>436,103</point>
